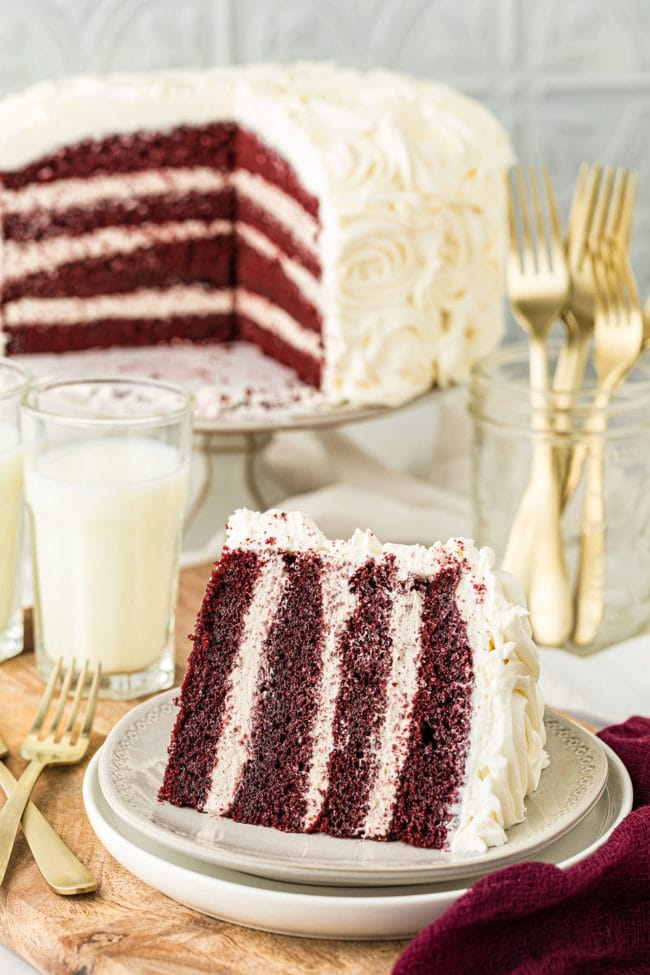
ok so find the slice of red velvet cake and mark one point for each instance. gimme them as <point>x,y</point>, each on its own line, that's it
<point>385,692</point>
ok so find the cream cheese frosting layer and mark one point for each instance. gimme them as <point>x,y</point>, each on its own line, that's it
<point>179,300</point>
<point>271,318</point>
<point>44,256</point>
<point>62,194</point>
<point>507,753</point>
<point>233,749</point>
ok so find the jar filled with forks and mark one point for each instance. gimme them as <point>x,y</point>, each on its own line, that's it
<point>592,589</point>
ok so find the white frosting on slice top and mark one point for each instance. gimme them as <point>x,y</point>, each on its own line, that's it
<point>505,755</point>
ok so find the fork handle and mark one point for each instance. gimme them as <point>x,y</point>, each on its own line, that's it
<point>590,589</point>
<point>590,593</point>
<point>57,863</point>
<point>13,810</point>
<point>569,372</point>
<point>549,592</point>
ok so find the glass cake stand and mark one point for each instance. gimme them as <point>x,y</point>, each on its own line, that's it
<point>242,401</point>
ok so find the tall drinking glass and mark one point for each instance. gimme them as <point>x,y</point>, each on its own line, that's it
<point>106,479</point>
<point>13,382</point>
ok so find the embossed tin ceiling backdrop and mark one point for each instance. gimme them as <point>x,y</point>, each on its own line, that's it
<point>570,80</point>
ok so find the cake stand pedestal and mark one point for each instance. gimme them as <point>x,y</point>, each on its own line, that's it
<point>225,475</point>
<point>230,468</point>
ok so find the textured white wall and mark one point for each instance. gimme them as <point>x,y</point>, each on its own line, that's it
<point>570,79</point>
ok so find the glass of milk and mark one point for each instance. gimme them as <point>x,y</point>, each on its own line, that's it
<point>13,382</point>
<point>106,480</point>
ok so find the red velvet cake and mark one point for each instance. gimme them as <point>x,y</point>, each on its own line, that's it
<point>349,225</point>
<point>360,690</point>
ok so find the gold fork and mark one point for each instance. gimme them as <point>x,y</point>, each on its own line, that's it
<point>57,863</point>
<point>618,336</point>
<point>578,315</point>
<point>58,746</point>
<point>611,228</point>
<point>537,281</point>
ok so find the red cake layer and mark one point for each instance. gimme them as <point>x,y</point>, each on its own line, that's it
<point>265,277</point>
<point>41,224</point>
<point>202,260</point>
<point>107,332</point>
<point>200,719</point>
<point>304,365</point>
<point>434,768</point>
<point>271,791</point>
<point>186,145</point>
<point>248,212</point>
<point>220,145</point>
<point>251,154</point>
<point>366,651</point>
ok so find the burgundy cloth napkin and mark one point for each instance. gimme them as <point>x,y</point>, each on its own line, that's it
<point>534,918</point>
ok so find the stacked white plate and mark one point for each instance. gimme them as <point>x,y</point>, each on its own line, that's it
<point>318,886</point>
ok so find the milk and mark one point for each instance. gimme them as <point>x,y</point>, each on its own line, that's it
<point>11,485</point>
<point>106,526</point>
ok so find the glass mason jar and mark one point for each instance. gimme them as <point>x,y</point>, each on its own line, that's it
<point>597,448</point>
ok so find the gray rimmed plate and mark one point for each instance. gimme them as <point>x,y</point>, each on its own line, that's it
<point>132,762</point>
<point>324,911</point>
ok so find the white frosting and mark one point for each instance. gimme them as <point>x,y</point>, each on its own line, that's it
<point>506,748</point>
<point>190,299</point>
<point>233,748</point>
<point>392,748</point>
<point>338,604</point>
<point>506,754</point>
<point>65,193</point>
<point>29,258</point>
<point>270,318</point>
<point>299,275</point>
<point>410,179</point>
<point>53,114</point>
<point>284,208</point>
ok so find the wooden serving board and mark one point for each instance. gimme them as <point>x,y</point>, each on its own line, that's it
<point>126,926</point>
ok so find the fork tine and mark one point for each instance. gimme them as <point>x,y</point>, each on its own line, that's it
<point>76,701</point>
<point>93,694</point>
<point>46,700</point>
<point>541,256</point>
<point>581,215</point>
<point>63,697</point>
<point>580,191</point>
<point>553,216</point>
<point>616,206</point>
<point>595,236</point>
<point>624,234</point>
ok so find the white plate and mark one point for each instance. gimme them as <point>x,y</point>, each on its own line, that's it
<point>236,388</point>
<point>322,912</point>
<point>131,770</point>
